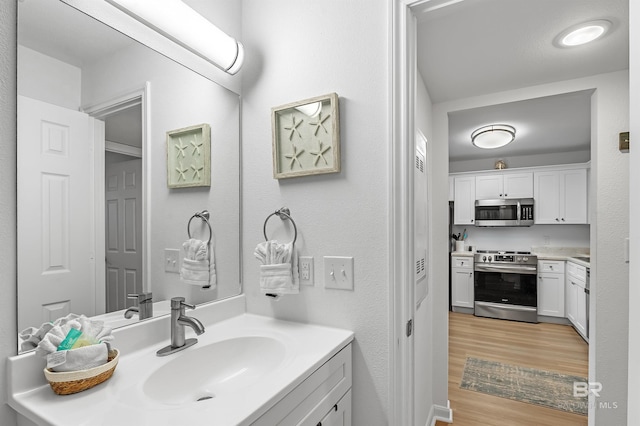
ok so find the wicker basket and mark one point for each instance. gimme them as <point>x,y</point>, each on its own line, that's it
<point>68,382</point>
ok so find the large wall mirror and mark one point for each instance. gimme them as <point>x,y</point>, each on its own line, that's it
<point>95,214</point>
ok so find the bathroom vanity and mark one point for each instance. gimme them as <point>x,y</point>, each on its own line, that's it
<point>245,370</point>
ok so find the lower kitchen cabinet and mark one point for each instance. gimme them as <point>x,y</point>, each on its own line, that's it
<point>576,298</point>
<point>551,288</point>
<point>462,282</point>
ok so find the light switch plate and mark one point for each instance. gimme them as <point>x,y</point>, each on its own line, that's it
<point>338,272</point>
<point>172,260</point>
<point>305,268</point>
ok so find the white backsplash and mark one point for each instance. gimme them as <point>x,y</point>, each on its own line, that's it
<point>546,237</point>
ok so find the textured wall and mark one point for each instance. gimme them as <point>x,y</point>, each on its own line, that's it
<point>7,198</point>
<point>634,266</point>
<point>297,49</point>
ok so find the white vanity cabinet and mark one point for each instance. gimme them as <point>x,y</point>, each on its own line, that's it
<point>464,200</point>
<point>551,288</point>
<point>498,186</point>
<point>561,196</point>
<point>576,297</point>
<point>322,398</point>
<point>462,282</point>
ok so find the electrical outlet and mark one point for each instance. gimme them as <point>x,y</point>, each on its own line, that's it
<point>338,272</point>
<point>305,267</point>
<point>172,260</point>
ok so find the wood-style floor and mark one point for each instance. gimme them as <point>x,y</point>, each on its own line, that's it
<point>544,346</point>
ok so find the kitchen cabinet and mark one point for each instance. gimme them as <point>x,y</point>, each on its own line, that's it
<point>511,185</point>
<point>551,288</point>
<point>451,189</point>
<point>464,200</point>
<point>462,282</point>
<point>576,297</point>
<point>561,197</point>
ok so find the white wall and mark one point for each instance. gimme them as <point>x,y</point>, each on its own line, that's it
<point>522,239</point>
<point>297,49</point>
<point>181,98</point>
<point>59,84</point>
<point>634,200</point>
<point>423,319</point>
<point>8,92</point>
<point>609,218</point>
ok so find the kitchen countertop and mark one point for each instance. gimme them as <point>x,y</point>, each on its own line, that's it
<point>463,253</point>
<point>568,258</point>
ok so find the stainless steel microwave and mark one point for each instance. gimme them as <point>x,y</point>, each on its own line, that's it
<point>499,212</point>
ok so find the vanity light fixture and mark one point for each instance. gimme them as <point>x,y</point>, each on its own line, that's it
<point>180,23</point>
<point>493,136</point>
<point>583,33</point>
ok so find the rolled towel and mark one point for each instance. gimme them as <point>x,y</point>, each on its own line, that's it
<point>78,359</point>
<point>198,265</point>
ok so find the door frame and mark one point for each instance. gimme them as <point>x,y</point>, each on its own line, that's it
<point>402,155</point>
<point>141,96</point>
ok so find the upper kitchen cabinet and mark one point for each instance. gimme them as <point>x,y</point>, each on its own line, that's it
<point>508,185</point>
<point>464,200</point>
<point>561,196</point>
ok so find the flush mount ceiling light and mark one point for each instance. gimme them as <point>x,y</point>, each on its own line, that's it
<point>493,136</point>
<point>583,33</point>
<point>180,23</point>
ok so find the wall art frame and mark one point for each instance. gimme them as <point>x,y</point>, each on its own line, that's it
<point>189,157</point>
<point>306,137</point>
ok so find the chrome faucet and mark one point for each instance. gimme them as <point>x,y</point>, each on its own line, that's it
<point>178,321</point>
<point>144,308</point>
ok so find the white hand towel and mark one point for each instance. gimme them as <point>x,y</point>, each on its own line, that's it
<point>198,265</point>
<point>279,270</point>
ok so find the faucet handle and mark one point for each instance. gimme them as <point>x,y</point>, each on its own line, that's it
<point>142,297</point>
<point>188,305</point>
<point>179,303</point>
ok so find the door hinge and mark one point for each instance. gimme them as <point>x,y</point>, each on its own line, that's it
<point>409,327</point>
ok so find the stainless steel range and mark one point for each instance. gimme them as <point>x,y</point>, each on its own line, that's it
<point>505,285</point>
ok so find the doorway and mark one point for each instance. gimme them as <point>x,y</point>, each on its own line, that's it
<point>122,199</point>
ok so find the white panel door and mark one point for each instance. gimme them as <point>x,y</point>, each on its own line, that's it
<point>489,187</point>
<point>55,213</point>
<point>575,196</point>
<point>465,199</point>
<point>518,185</point>
<point>551,288</point>
<point>123,213</point>
<point>547,197</point>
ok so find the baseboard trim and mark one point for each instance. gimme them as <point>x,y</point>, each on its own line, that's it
<point>438,412</point>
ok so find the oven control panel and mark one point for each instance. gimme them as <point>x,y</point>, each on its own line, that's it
<point>514,258</point>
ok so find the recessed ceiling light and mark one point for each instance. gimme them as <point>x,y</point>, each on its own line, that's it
<point>583,33</point>
<point>493,136</point>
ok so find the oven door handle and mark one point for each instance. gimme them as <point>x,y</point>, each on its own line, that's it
<point>528,270</point>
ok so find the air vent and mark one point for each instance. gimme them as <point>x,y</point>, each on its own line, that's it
<point>420,163</point>
<point>420,267</point>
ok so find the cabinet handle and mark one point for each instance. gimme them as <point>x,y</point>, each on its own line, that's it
<point>557,220</point>
<point>501,195</point>
<point>506,195</point>
<point>471,220</point>
<point>563,219</point>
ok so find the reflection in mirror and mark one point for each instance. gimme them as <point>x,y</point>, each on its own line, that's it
<point>95,215</point>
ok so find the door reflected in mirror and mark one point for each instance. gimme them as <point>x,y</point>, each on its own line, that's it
<point>95,215</point>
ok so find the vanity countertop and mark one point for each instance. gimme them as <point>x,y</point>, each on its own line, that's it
<point>121,399</point>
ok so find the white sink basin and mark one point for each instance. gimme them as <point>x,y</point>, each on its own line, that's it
<point>216,369</point>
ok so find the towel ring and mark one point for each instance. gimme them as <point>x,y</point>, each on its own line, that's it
<point>283,214</point>
<point>204,215</point>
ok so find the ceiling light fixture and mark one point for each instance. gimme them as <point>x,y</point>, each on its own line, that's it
<point>583,33</point>
<point>493,136</point>
<point>180,23</point>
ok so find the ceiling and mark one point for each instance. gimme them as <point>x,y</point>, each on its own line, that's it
<point>476,47</point>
